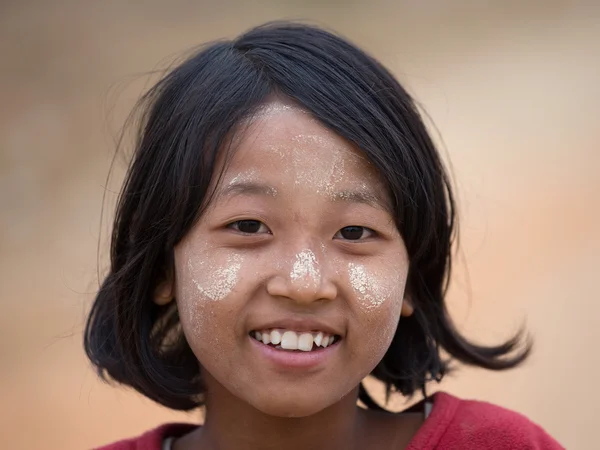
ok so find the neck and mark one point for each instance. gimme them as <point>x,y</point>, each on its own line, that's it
<point>233,424</point>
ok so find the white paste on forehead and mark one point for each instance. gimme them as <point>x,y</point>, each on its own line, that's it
<point>306,267</point>
<point>215,282</point>
<point>266,111</point>
<point>273,108</point>
<point>325,178</point>
<point>282,153</point>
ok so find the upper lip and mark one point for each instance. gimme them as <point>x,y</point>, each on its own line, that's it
<point>299,324</point>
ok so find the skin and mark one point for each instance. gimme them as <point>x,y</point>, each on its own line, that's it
<point>296,260</point>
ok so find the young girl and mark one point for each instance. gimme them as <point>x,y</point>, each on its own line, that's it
<point>284,231</point>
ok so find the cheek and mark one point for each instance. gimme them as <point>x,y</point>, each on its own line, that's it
<point>378,294</point>
<point>214,279</point>
<point>377,288</point>
<point>205,283</point>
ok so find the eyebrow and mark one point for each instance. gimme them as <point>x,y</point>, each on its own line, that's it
<point>248,188</point>
<point>363,196</point>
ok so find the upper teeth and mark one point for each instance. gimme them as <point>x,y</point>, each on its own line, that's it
<point>292,340</point>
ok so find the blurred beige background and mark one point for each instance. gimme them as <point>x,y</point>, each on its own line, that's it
<point>512,87</point>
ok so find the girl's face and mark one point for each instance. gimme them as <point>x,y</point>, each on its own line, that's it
<point>290,287</point>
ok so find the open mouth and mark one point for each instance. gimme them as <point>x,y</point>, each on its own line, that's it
<point>295,341</point>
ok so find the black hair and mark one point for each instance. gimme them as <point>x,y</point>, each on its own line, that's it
<point>189,116</point>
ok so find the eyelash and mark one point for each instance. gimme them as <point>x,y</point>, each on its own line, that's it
<point>232,225</point>
<point>235,226</point>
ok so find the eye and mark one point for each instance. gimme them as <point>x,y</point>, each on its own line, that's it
<point>354,233</point>
<point>249,227</point>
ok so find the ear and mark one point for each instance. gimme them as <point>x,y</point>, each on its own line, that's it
<point>407,307</point>
<point>164,291</point>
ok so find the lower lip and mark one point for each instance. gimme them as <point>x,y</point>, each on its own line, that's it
<point>295,359</point>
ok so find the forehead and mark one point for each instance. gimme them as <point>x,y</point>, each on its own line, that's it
<point>285,141</point>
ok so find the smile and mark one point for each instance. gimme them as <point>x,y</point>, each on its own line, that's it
<point>289,340</point>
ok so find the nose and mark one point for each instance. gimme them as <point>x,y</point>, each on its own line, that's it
<point>304,278</point>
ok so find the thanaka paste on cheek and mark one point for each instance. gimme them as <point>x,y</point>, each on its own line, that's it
<point>206,283</point>
<point>373,290</point>
<point>379,296</point>
<point>215,282</point>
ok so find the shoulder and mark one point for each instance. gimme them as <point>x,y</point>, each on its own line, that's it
<point>476,424</point>
<point>152,439</point>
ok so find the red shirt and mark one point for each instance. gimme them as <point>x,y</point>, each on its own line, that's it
<point>452,424</point>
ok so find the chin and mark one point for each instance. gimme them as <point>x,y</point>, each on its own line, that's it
<point>292,406</point>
